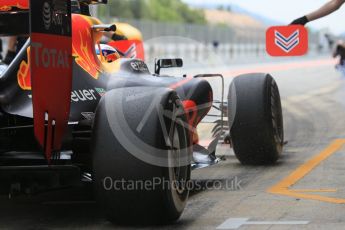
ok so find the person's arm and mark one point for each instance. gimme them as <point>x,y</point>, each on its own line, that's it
<point>325,10</point>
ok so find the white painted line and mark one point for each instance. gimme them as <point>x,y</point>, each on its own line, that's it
<point>235,223</point>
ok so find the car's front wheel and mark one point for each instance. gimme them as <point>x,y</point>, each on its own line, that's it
<point>256,119</point>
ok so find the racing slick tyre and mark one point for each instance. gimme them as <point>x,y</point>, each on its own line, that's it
<point>255,119</point>
<point>141,156</point>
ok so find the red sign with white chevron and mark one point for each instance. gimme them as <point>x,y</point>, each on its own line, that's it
<point>287,41</point>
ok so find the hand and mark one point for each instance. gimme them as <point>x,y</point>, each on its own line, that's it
<point>300,21</point>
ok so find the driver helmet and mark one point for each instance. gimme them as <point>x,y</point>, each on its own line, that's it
<point>109,53</point>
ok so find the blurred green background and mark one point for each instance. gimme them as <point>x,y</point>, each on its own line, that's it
<point>157,10</point>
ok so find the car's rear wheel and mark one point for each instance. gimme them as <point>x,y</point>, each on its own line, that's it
<point>256,119</point>
<point>139,191</point>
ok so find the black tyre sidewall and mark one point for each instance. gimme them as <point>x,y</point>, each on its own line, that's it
<point>111,159</point>
<point>254,101</point>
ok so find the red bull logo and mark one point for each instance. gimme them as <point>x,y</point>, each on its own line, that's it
<point>7,5</point>
<point>23,74</point>
<point>83,44</point>
<point>83,52</point>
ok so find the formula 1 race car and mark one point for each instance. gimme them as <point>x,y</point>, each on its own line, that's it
<point>76,111</point>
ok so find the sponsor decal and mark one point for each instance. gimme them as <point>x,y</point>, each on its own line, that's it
<point>83,46</point>
<point>100,91</point>
<point>53,13</point>
<point>287,40</point>
<point>139,66</point>
<point>88,115</point>
<point>50,70</point>
<point>7,5</point>
<point>82,52</point>
<point>23,74</point>
<point>83,95</point>
<point>131,52</point>
<point>50,57</point>
<point>47,15</point>
<point>130,48</point>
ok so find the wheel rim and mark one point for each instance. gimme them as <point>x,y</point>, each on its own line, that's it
<point>179,170</point>
<point>277,119</point>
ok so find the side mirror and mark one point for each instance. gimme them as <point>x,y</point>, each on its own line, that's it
<point>94,1</point>
<point>167,63</point>
<point>104,28</point>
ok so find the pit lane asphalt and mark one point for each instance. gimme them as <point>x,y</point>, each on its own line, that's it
<point>314,111</point>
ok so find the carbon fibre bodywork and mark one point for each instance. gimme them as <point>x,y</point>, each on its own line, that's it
<point>17,101</point>
<point>92,78</point>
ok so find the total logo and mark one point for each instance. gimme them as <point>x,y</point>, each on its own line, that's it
<point>287,41</point>
<point>49,58</point>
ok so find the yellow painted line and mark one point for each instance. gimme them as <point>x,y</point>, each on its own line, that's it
<point>282,188</point>
<point>313,190</point>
